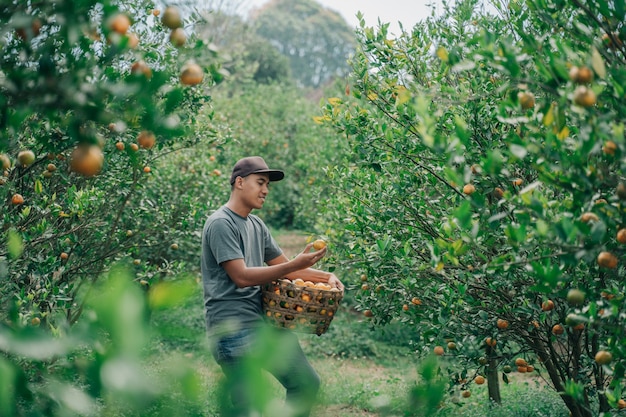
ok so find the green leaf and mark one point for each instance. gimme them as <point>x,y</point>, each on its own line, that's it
<point>597,63</point>
<point>15,245</point>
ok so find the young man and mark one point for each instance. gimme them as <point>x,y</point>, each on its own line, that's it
<point>239,255</point>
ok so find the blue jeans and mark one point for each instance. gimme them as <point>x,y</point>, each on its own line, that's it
<point>245,354</point>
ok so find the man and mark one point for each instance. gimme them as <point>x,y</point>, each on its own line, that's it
<point>238,256</point>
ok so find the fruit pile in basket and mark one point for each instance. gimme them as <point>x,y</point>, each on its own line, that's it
<point>301,305</point>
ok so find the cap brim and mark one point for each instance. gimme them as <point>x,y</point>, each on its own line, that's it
<point>275,175</point>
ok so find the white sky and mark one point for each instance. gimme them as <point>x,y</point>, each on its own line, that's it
<point>408,12</point>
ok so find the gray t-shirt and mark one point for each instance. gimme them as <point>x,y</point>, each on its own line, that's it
<point>227,236</point>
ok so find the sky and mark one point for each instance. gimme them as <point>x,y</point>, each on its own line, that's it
<point>408,12</point>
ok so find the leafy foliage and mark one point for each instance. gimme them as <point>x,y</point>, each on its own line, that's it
<point>474,160</point>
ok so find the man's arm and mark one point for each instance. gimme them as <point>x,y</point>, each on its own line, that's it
<point>244,276</point>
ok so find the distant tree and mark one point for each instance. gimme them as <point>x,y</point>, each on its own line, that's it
<point>317,41</point>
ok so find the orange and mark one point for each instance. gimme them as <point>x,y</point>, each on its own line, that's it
<point>607,260</point>
<point>191,74</point>
<point>469,189</point>
<point>479,380</point>
<point>522,369</point>
<point>141,68</point>
<point>621,404</point>
<point>547,305</point>
<point>526,100</point>
<point>26,157</point>
<point>146,139</point>
<point>557,329</point>
<point>366,313</point>
<point>438,350</point>
<point>588,217</point>
<point>86,160</point>
<point>64,256</point>
<point>134,147</point>
<point>584,96</point>
<point>489,341</point>
<point>451,345</point>
<point>178,37</point>
<point>416,301</point>
<point>466,394</point>
<point>5,161</point>
<point>319,244</point>
<point>520,362</point>
<point>17,199</point>
<point>502,324</point>
<point>609,147</point>
<point>133,40</point>
<point>147,170</point>
<point>498,192</point>
<point>51,167</point>
<point>171,17</point>
<point>621,236</point>
<point>518,182</point>
<point>530,368</point>
<point>119,23</point>
<point>120,146</point>
<point>603,357</point>
<point>405,307</point>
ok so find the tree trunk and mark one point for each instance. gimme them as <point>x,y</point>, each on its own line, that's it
<point>493,383</point>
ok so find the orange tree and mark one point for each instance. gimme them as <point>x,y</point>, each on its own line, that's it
<point>482,202</point>
<point>94,94</point>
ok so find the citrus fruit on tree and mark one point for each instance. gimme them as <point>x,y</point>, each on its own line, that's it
<point>86,160</point>
<point>319,244</point>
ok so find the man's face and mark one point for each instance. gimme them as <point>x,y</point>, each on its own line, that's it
<point>255,189</point>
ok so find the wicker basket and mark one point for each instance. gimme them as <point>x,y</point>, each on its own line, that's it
<point>306,309</point>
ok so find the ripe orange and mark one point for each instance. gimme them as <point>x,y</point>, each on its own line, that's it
<point>547,305</point>
<point>530,368</point>
<point>120,146</point>
<point>368,313</point>
<point>526,100</point>
<point>520,362</point>
<point>156,12</point>
<point>133,40</point>
<point>518,182</point>
<point>405,307</point>
<point>466,394</point>
<point>621,404</point>
<point>119,23</point>
<point>609,147</point>
<point>498,192</point>
<point>603,357</point>
<point>469,189</point>
<point>502,324</point>
<point>522,369</point>
<point>64,256</point>
<point>86,160</point>
<point>584,96</point>
<point>416,301</point>
<point>479,380</point>
<point>489,341</point>
<point>17,199</point>
<point>589,217</point>
<point>141,68</point>
<point>438,350</point>
<point>191,74</point>
<point>558,329</point>
<point>146,139</point>
<point>607,260</point>
<point>134,147</point>
<point>147,169</point>
<point>581,75</point>
<point>319,244</point>
<point>621,236</point>
<point>171,17</point>
<point>174,246</point>
<point>365,287</point>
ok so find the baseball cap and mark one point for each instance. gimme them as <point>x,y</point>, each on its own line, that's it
<point>254,165</point>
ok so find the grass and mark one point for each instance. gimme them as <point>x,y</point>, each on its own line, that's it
<point>363,374</point>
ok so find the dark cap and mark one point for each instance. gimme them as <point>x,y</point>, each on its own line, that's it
<point>254,165</point>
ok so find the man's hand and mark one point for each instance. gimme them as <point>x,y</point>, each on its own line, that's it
<point>307,259</point>
<point>335,283</point>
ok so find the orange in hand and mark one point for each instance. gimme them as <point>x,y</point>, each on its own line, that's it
<point>319,244</point>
